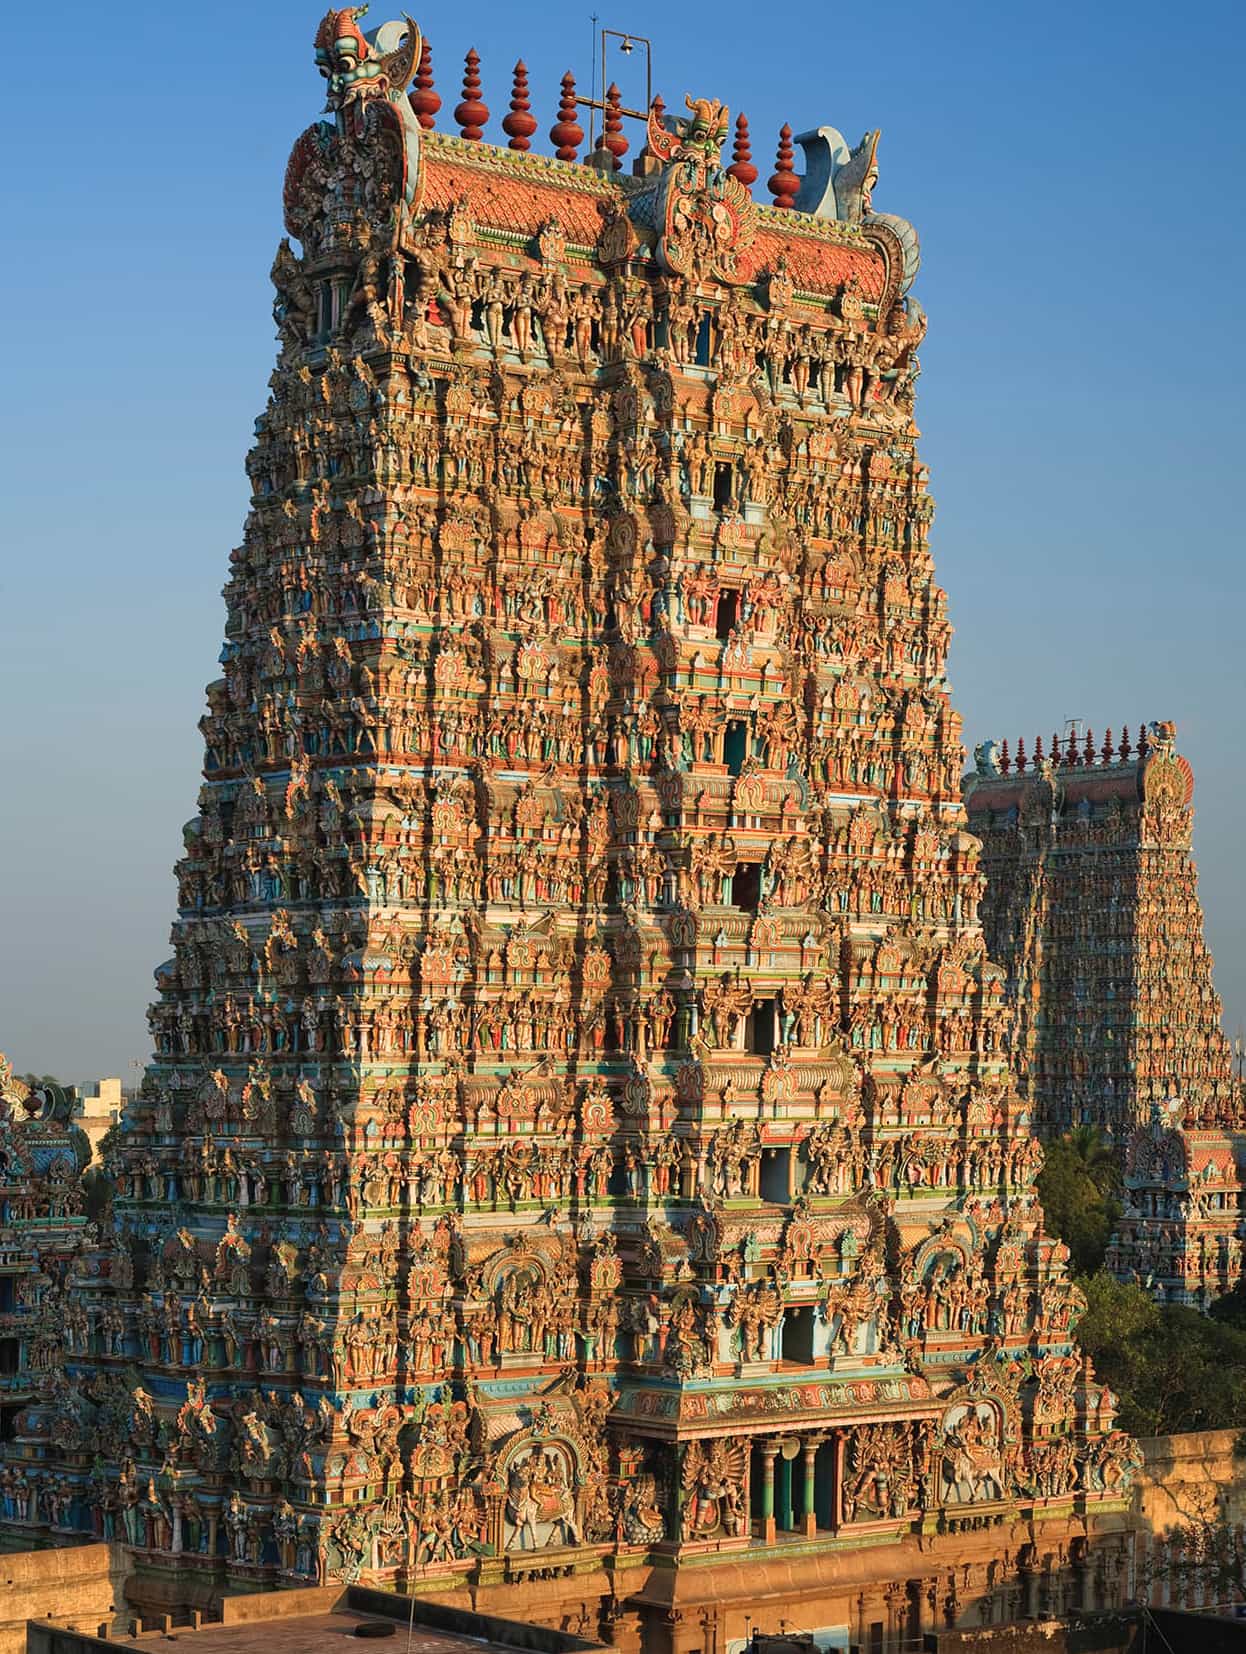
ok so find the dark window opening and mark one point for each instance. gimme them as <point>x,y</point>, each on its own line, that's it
<point>725,612</point>
<point>746,887</point>
<point>6,1294</point>
<point>773,1180</point>
<point>761,1032</point>
<point>735,745</point>
<point>10,1349</point>
<point>8,1422</point>
<point>797,1344</point>
<point>724,485</point>
<point>703,343</point>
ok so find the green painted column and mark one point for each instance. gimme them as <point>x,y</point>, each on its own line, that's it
<point>784,1512</point>
<point>823,1474</point>
<point>808,1503</point>
<point>769,1451</point>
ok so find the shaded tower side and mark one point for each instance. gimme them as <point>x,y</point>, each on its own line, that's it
<point>1092,906</point>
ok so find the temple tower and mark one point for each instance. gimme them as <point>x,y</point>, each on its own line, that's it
<point>1092,909</point>
<point>580,1157</point>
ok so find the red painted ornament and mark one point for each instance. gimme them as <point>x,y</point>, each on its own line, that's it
<point>472,113</point>
<point>424,100</point>
<point>742,168</point>
<point>520,124</point>
<point>567,134</point>
<point>784,185</point>
<point>612,137</point>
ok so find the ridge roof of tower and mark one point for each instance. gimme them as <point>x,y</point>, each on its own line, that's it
<point>513,193</point>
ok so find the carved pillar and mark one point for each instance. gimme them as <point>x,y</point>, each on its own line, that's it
<point>837,1486</point>
<point>1085,1587</point>
<point>783,1514</point>
<point>1029,1592</point>
<point>809,1502</point>
<point>624,1632</point>
<point>769,1452</point>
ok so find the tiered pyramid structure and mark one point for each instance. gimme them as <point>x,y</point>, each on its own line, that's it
<point>1092,908</point>
<point>580,1162</point>
<point>44,1236</point>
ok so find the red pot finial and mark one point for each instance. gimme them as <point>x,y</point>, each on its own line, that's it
<point>742,168</point>
<point>472,113</point>
<point>1105,756</point>
<point>784,185</point>
<point>520,124</point>
<point>1021,754</point>
<point>612,126</point>
<point>424,100</point>
<point>566,134</point>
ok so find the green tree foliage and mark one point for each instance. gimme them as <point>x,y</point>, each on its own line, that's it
<point>1171,1368</point>
<point>1080,1186</point>
<point>97,1193</point>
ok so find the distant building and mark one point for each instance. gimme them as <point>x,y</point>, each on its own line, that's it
<point>1092,908</point>
<point>96,1109</point>
<point>1180,1233</point>
<point>41,1233</point>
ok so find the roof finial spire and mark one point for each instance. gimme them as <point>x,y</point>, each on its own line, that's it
<point>520,124</point>
<point>612,136</point>
<point>742,168</point>
<point>424,100</point>
<point>472,113</point>
<point>784,185</point>
<point>566,134</point>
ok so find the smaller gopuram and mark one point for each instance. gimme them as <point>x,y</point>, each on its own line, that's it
<point>42,1230</point>
<point>1180,1231</point>
<point>1092,908</point>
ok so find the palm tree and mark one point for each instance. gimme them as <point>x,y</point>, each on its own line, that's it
<point>1096,1157</point>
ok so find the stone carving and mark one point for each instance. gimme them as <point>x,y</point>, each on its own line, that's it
<point>580,1115</point>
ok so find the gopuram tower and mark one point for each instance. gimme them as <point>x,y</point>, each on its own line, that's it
<point>1092,909</point>
<point>579,1162</point>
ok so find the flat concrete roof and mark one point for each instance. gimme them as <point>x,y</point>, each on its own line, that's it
<point>311,1634</point>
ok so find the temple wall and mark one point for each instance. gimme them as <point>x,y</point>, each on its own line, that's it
<point>1186,1477</point>
<point>75,1588</point>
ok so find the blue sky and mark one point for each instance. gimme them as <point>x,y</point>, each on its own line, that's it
<point>1075,173</point>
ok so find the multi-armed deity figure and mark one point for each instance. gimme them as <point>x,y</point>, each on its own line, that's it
<point>580,1139</point>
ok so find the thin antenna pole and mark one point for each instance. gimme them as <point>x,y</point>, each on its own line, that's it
<point>592,92</point>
